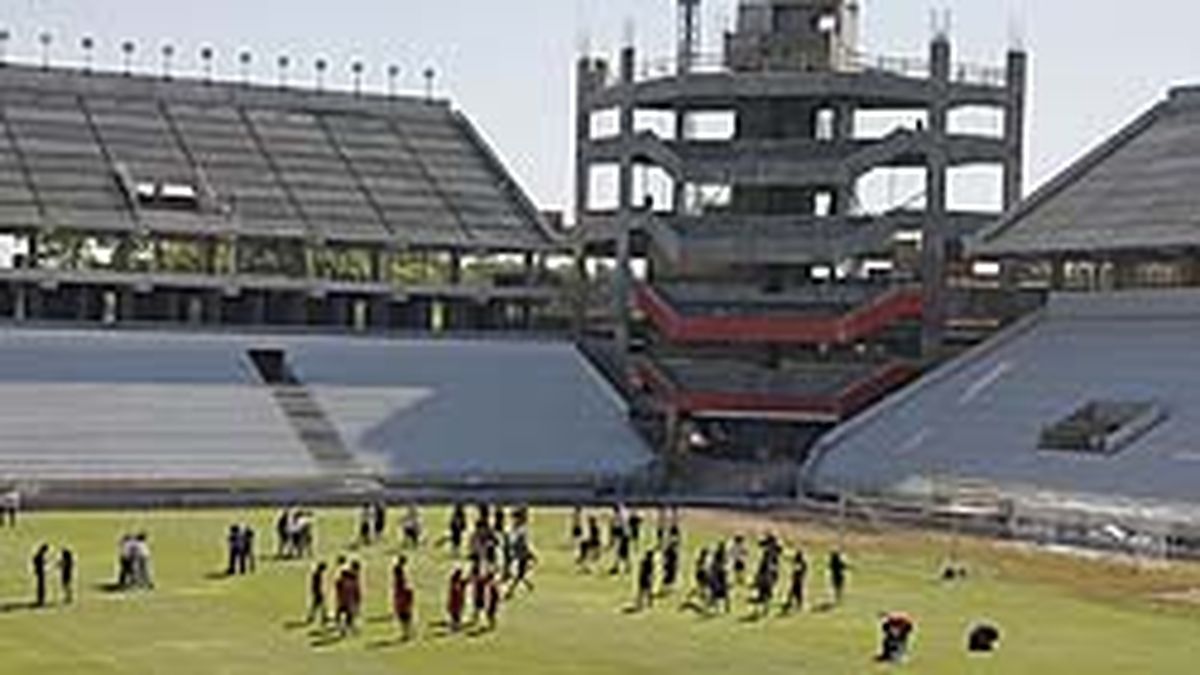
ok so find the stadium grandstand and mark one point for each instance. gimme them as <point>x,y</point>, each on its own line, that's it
<point>1090,400</point>
<point>775,301</point>
<point>232,286</point>
<point>136,198</point>
<point>90,409</point>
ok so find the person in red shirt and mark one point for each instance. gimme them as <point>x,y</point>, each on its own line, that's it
<point>402,597</point>
<point>344,593</point>
<point>456,598</point>
<point>493,601</point>
<point>897,628</point>
<point>479,579</point>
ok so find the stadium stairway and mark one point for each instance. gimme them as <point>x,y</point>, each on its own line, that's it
<point>305,415</point>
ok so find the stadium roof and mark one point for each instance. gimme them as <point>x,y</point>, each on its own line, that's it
<point>1138,190</point>
<point>88,152</point>
<point>980,418</point>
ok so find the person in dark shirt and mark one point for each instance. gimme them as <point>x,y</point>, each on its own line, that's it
<point>402,598</point>
<point>458,525</point>
<point>66,575</point>
<point>493,602</point>
<point>837,575</point>
<point>645,580</point>
<point>40,560</point>
<point>670,564</point>
<point>456,598</point>
<point>897,628</point>
<point>983,638</point>
<point>317,605</point>
<point>795,599</point>
<point>233,542</point>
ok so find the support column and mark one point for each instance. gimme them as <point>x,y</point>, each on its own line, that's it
<point>213,304</point>
<point>455,268</point>
<point>590,75</point>
<point>83,304</point>
<point>35,303</point>
<point>843,132</point>
<point>376,264</point>
<point>1191,269</point>
<point>933,240</point>
<point>208,254</point>
<point>579,300</point>
<point>381,312</point>
<point>33,251</point>
<point>235,260</point>
<point>1014,129</point>
<point>126,304</point>
<point>1058,273</point>
<point>625,208</point>
<point>20,302</point>
<point>257,300</point>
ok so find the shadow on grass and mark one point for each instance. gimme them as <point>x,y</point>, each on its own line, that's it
<point>10,606</point>
<point>327,637</point>
<point>388,644</point>
<point>114,588</point>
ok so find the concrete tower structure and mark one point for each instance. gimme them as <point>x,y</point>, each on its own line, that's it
<point>775,300</point>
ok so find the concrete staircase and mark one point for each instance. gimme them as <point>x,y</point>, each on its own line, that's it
<point>304,413</point>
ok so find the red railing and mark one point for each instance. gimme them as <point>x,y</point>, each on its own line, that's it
<point>834,407</point>
<point>872,317</point>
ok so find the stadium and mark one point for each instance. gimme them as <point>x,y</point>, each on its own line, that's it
<point>232,307</point>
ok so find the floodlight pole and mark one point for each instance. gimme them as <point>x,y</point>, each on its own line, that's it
<point>429,75</point>
<point>357,69</point>
<point>87,44</point>
<point>320,66</point>
<point>45,39</point>
<point>127,49</point>
<point>393,74</point>
<point>206,55</point>
<point>244,60</point>
<point>168,52</point>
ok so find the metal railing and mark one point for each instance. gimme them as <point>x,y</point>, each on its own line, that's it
<point>903,66</point>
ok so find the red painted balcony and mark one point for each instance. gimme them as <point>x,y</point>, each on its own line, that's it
<point>684,314</point>
<point>820,393</point>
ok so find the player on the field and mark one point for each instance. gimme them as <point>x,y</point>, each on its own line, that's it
<point>645,580</point>
<point>795,599</point>
<point>66,574</point>
<point>493,602</point>
<point>402,598</point>
<point>458,526</point>
<point>897,628</point>
<point>40,561</point>
<point>837,575</point>
<point>670,564</point>
<point>316,595</point>
<point>456,598</point>
<point>738,554</point>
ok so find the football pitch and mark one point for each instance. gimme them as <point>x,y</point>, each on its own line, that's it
<point>1055,611</point>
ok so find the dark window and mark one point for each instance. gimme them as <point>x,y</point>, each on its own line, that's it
<point>272,366</point>
<point>1102,427</point>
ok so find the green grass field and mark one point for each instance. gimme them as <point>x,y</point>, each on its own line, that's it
<point>1056,612</point>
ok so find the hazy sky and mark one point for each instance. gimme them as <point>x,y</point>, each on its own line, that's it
<point>508,64</point>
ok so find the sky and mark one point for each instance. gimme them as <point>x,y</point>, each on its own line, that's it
<point>509,64</point>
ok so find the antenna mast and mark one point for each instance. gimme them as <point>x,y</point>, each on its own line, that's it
<point>689,35</point>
